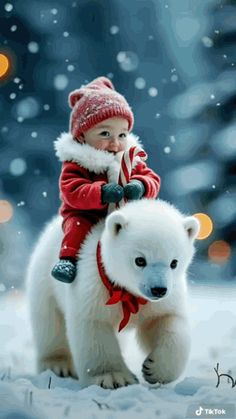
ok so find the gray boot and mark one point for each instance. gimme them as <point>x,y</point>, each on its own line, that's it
<point>64,271</point>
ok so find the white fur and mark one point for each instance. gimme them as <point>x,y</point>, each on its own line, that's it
<point>75,332</point>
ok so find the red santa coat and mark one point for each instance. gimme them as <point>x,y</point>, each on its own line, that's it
<point>84,171</point>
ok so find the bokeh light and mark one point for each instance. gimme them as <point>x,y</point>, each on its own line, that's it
<point>17,167</point>
<point>128,60</point>
<point>219,251</point>
<point>6,211</point>
<point>206,225</point>
<point>4,64</point>
<point>27,108</point>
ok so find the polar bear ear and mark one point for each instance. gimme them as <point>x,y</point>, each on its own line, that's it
<point>192,227</point>
<point>115,222</point>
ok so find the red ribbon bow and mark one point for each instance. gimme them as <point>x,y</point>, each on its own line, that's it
<point>130,303</point>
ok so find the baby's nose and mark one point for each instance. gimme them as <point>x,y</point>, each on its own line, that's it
<point>115,140</point>
<point>114,143</point>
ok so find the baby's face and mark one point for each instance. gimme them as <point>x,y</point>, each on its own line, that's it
<point>109,135</point>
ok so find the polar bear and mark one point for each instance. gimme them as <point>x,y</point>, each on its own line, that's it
<point>145,250</point>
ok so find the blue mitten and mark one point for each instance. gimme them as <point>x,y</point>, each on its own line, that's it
<point>134,190</point>
<point>112,192</point>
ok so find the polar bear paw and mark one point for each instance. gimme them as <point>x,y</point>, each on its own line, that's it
<point>152,372</point>
<point>61,366</point>
<point>115,379</point>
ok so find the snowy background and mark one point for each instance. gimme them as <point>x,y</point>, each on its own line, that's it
<point>175,63</point>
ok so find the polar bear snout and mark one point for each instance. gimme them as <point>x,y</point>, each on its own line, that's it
<point>158,291</point>
<point>154,293</point>
<point>156,281</point>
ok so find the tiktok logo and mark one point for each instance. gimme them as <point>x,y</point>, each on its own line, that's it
<point>199,411</point>
<point>211,411</point>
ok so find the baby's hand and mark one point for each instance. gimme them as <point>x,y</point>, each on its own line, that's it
<point>112,192</point>
<point>134,190</point>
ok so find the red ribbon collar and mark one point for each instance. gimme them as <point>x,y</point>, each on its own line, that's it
<point>130,303</point>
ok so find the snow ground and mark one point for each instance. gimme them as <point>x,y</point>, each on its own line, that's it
<point>23,394</point>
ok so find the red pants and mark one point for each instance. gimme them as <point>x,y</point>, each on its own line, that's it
<point>75,229</point>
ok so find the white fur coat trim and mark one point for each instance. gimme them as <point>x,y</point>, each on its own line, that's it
<point>97,161</point>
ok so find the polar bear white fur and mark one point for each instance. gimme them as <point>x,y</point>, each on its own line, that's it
<point>74,329</point>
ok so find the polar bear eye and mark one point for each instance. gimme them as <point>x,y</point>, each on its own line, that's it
<point>173,263</point>
<point>141,262</point>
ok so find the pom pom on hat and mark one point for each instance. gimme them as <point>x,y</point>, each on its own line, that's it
<point>94,103</point>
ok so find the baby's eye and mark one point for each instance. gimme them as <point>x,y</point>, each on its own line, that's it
<point>141,262</point>
<point>123,135</point>
<point>174,264</point>
<point>105,134</point>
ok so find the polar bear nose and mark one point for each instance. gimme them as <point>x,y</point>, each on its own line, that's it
<point>158,291</point>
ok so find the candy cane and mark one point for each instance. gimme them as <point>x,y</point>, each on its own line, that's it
<point>127,164</point>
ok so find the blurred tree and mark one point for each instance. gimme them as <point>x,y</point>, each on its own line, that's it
<point>222,203</point>
<point>206,140</point>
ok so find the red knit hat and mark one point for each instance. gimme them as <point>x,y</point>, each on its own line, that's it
<point>94,103</point>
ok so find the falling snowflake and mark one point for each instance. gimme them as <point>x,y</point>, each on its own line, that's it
<point>70,67</point>
<point>127,60</point>
<point>140,83</point>
<point>18,167</point>
<point>60,82</point>
<point>27,108</point>
<point>33,47</point>
<point>114,29</point>
<point>167,150</point>
<point>152,91</point>
<point>8,7</point>
<point>174,78</point>
<point>207,42</point>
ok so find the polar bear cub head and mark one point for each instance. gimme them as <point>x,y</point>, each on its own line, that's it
<point>147,247</point>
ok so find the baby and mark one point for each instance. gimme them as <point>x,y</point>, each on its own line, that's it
<point>100,122</point>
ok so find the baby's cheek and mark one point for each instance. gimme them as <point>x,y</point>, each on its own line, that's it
<point>101,145</point>
<point>122,146</point>
<point>104,145</point>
